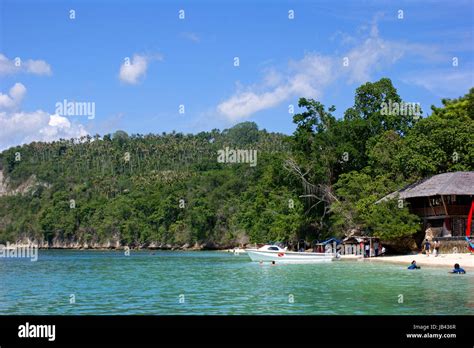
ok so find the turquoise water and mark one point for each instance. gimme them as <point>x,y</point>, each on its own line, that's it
<point>107,282</point>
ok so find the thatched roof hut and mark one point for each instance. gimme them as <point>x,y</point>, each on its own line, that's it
<point>455,183</point>
<point>442,201</point>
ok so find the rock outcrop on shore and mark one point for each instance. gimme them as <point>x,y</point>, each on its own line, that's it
<point>115,244</point>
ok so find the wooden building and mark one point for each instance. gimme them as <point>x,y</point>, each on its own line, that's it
<point>443,202</point>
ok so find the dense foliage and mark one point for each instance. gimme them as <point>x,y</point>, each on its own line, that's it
<point>139,189</point>
<point>171,189</point>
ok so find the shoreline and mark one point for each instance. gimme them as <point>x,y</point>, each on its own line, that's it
<point>465,260</point>
<point>120,248</point>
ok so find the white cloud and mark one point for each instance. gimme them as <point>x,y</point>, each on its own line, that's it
<point>375,53</point>
<point>36,67</point>
<point>132,71</point>
<point>59,121</point>
<point>19,127</point>
<point>191,37</point>
<point>311,75</point>
<point>445,84</point>
<point>343,38</point>
<point>304,78</point>
<point>369,57</point>
<point>14,97</point>
<point>246,103</point>
<point>59,127</point>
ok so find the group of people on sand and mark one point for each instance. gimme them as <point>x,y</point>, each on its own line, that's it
<point>457,269</point>
<point>436,246</point>
<point>377,250</point>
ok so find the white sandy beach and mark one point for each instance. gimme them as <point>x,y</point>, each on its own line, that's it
<point>465,260</point>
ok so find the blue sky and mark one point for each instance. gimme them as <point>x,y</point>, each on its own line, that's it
<point>190,61</point>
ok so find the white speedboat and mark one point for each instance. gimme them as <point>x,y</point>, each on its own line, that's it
<point>270,253</point>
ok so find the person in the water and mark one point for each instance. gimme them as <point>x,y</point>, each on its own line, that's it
<point>413,265</point>
<point>457,269</point>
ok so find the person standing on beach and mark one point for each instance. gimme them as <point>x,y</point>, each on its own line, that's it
<point>376,248</point>
<point>367,250</point>
<point>427,247</point>
<point>436,247</point>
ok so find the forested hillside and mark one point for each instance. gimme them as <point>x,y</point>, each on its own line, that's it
<point>171,190</point>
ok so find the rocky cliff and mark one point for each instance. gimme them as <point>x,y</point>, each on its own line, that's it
<point>26,187</point>
<point>3,186</point>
